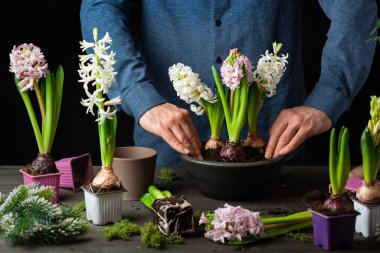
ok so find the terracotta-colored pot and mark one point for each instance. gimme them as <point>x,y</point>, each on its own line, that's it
<point>77,171</point>
<point>135,167</point>
<point>45,180</point>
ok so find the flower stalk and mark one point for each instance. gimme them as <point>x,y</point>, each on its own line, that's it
<point>266,77</point>
<point>96,71</point>
<point>369,192</point>
<point>31,72</point>
<point>190,88</point>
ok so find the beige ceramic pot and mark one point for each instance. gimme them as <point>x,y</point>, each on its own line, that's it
<point>135,167</point>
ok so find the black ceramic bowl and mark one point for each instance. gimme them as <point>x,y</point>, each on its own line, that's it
<point>233,181</point>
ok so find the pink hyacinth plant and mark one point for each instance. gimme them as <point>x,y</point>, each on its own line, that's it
<point>239,226</point>
<point>236,73</point>
<point>29,66</point>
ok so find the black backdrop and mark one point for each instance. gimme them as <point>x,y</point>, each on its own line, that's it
<point>54,26</point>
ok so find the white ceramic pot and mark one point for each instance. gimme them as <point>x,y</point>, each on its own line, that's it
<point>103,208</point>
<point>368,219</point>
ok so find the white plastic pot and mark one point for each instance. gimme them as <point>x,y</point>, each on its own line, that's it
<point>368,219</point>
<point>103,208</point>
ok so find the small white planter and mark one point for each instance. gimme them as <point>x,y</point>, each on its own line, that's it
<point>368,219</point>
<point>103,208</point>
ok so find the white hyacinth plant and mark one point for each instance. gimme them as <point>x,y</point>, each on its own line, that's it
<point>97,74</point>
<point>193,91</point>
<point>269,70</point>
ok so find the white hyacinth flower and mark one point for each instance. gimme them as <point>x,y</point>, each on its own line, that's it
<point>189,87</point>
<point>97,73</point>
<point>270,69</point>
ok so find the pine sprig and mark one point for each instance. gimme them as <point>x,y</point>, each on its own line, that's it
<point>27,215</point>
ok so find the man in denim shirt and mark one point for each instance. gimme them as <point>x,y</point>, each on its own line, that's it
<point>149,36</point>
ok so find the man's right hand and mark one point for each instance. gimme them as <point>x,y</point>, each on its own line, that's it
<point>175,126</point>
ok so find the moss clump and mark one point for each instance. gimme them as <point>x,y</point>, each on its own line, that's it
<point>122,230</point>
<point>151,236</point>
<point>167,175</point>
<point>174,239</point>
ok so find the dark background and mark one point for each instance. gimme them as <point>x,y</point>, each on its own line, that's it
<point>54,26</point>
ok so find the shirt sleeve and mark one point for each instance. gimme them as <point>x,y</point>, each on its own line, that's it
<point>132,84</point>
<point>347,55</point>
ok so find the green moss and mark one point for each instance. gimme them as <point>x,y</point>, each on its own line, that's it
<point>122,230</point>
<point>300,236</point>
<point>167,175</point>
<point>174,239</point>
<point>197,215</point>
<point>151,236</point>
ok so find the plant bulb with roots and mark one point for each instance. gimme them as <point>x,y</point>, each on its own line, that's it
<point>369,193</point>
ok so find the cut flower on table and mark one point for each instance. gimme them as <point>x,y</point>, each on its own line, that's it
<point>28,64</point>
<point>239,226</point>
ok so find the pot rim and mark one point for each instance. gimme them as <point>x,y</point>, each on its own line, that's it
<point>154,153</point>
<point>39,176</point>
<point>101,193</point>
<point>353,198</point>
<point>233,165</point>
<point>335,216</point>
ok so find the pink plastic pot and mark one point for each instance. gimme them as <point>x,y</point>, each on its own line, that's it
<point>46,180</point>
<point>77,171</point>
<point>333,232</point>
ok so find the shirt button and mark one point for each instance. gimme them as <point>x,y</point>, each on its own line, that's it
<point>218,22</point>
<point>218,60</point>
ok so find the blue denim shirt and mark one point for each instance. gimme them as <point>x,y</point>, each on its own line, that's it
<point>149,36</point>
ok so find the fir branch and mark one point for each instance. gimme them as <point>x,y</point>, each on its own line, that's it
<point>27,215</point>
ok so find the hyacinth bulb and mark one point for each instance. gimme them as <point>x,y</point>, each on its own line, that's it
<point>339,204</point>
<point>42,165</point>
<point>369,193</point>
<point>233,152</point>
<point>256,142</point>
<point>214,143</point>
<point>106,180</point>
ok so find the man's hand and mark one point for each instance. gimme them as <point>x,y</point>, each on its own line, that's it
<point>292,127</point>
<point>175,126</point>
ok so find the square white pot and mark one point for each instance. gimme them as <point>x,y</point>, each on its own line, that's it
<point>368,219</point>
<point>103,208</point>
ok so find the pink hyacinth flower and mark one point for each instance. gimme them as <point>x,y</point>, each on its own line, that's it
<point>232,69</point>
<point>233,223</point>
<point>29,65</point>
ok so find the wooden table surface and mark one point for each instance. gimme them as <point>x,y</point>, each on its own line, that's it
<point>286,194</point>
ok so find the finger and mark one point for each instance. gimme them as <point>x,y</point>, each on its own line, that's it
<point>275,134</point>
<point>190,124</point>
<point>191,138</point>
<point>181,136</point>
<point>297,140</point>
<point>286,136</point>
<point>172,140</point>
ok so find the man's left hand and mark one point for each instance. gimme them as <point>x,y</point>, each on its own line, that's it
<point>292,127</point>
